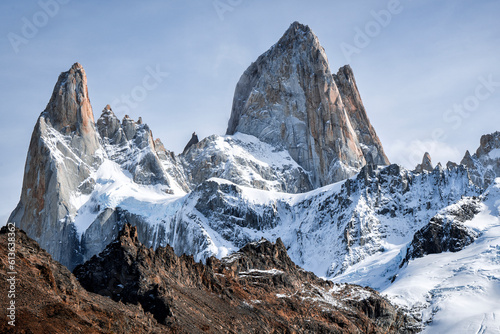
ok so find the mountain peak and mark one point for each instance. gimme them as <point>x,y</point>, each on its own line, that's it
<point>300,42</point>
<point>193,141</point>
<point>426,164</point>
<point>77,66</point>
<point>488,143</point>
<point>289,98</point>
<point>57,165</point>
<point>69,108</point>
<point>298,31</point>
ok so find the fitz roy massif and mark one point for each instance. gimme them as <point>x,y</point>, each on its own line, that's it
<point>214,239</point>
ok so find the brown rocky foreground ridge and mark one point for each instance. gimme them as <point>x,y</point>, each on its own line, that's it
<point>49,299</point>
<point>135,289</point>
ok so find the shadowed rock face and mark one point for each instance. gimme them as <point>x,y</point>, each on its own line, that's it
<point>445,231</point>
<point>289,98</point>
<point>258,289</point>
<point>194,140</point>
<point>63,151</point>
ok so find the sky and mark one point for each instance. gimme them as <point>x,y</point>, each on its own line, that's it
<point>428,71</point>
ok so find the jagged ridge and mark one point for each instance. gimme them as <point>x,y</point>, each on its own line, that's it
<point>256,289</point>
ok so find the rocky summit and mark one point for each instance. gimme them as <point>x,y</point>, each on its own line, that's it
<point>64,150</point>
<point>300,166</point>
<point>484,165</point>
<point>289,97</point>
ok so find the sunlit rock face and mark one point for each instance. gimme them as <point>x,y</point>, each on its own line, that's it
<point>63,152</point>
<point>289,98</point>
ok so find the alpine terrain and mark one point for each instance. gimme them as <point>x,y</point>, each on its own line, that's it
<point>300,166</point>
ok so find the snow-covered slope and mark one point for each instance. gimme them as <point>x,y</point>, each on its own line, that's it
<point>131,145</point>
<point>458,292</point>
<point>246,161</point>
<point>329,229</point>
<point>326,230</point>
<point>452,292</point>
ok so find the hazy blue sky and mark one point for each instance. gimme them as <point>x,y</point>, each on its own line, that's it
<point>428,72</point>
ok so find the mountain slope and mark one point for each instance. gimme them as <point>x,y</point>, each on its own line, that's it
<point>246,161</point>
<point>294,126</point>
<point>49,299</point>
<point>458,292</point>
<point>256,289</point>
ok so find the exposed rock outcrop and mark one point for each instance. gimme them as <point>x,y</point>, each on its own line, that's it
<point>369,142</point>
<point>63,152</point>
<point>426,164</point>
<point>446,231</point>
<point>484,165</point>
<point>49,299</point>
<point>191,142</point>
<point>257,289</point>
<point>290,99</point>
<point>131,145</point>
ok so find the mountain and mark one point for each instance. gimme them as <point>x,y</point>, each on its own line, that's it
<point>63,152</point>
<point>448,274</point>
<point>49,299</point>
<point>134,289</point>
<point>257,288</point>
<point>300,162</point>
<point>74,163</point>
<point>290,98</point>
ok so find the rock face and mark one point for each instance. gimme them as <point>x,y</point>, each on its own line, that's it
<point>67,150</point>
<point>445,231</point>
<point>63,152</point>
<point>191,142</point>
<point>484,165</point>
<point>289,98</point>
<point>130,144</point>
<point>49,299</point>
<point>365,133</point>
<point>256,289</point>
<point>426,164</point>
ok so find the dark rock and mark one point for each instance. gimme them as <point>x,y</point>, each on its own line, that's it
<point>445,232</point>
<point>194,140</point>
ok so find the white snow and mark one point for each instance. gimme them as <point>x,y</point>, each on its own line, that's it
<point>452,292</point>
<point>494,154</point>
<point>258,271</point>
<point>116,188</point>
